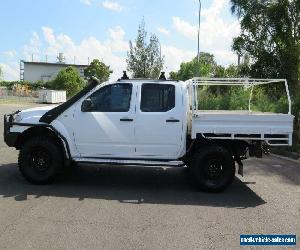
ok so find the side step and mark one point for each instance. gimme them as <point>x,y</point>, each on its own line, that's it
<point>145,163</point>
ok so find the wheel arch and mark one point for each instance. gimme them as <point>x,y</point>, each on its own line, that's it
<point>235,147</point>
<point>44,131</point>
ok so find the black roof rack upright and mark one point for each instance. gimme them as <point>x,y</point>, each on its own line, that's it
<point>162,76</point>
<point>125,76</point>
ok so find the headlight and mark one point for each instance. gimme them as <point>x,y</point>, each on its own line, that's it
<point>18,118</point>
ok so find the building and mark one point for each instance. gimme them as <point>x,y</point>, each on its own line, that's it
<point>45,71</point>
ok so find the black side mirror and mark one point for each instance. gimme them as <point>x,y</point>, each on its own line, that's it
<point>87,105</point>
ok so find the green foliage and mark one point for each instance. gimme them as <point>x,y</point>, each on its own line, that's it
<point>9,85</point>
<point>32,85</point>
<point>37,85</point>
<point>237,98</point>
<point>99,70</point>
<point>144,59</point>
<point>207,67</point>
<point>229,98</point>
<point>68,79</point>
<point>271,37</point>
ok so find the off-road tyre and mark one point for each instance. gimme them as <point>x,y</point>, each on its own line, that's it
<point>213,168</point>
<point>40,159</point>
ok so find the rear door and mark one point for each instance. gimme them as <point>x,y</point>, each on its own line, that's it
<point>159,125</point>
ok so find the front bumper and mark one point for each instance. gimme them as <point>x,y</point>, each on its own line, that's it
<point>10,138</point>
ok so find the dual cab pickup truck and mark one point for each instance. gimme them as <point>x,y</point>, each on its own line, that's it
<point>148,123</point>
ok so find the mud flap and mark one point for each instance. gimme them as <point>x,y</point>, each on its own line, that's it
<point>241,170</point>
<point>241,166</point>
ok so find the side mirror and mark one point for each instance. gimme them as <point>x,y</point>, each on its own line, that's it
<point>87,105</point>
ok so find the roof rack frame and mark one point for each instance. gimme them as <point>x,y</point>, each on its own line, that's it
<point>247,82</point>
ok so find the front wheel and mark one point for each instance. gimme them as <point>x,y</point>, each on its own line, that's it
<point>213,168</point>
<point>39,160</point>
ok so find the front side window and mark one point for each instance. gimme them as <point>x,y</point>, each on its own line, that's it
<point>112,98</point>
<point>157,97</point>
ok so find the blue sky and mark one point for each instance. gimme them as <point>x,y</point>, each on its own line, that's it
<point>102,29</point>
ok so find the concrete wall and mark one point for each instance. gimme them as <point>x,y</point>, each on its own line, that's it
<point>45,72</point>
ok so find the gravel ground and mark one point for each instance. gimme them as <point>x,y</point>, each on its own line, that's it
<point>144,208</point>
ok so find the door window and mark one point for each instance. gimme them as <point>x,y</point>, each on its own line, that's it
<point>157,97</point>
<point>112,98</point>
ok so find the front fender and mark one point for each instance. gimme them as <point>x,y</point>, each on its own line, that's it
<point>59,126</point>
<point>14,131</point>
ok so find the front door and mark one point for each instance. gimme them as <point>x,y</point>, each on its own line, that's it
<point>107,129</point>
<point>159,125</point>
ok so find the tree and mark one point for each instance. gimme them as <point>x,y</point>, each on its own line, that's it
<point>99,70</point>
<point>207,67</point>
<point>68,79</point>
<point>188,70</point>
<point>144,60</point>
<point>270,35</point>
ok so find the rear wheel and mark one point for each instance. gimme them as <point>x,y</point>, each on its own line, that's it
<point>213,168</point>
<point>40,158</point>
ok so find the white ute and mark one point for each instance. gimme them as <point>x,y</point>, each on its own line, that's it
<point>148,123</point>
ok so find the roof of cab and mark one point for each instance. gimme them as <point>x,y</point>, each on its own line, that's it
<point>146,80</point>
<point>162,79</point>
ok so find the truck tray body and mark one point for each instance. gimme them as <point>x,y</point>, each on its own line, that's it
<point>275,129</point>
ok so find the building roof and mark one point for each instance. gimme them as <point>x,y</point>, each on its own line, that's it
<point>56,64</point>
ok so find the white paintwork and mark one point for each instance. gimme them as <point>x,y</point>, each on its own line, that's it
<point>52,96</point>
<point>102,135</point>
<point>154,137</point>
<point>148,136</point>
<point>99,134</point>
<point>31,116</point>
<point>62,128</point>
<point>242,123</point>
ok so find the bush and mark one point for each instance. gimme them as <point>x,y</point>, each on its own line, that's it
<point>9,85</point>
<point>220,98</point>
<point>237,98</point>
<point>36,85</point>
<point>67,79</point>
<point>99,70</point>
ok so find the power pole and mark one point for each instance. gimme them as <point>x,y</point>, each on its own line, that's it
<point>199,26</point>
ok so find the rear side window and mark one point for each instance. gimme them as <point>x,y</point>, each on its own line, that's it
<point>112,98</point>
<point>157,97</point>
